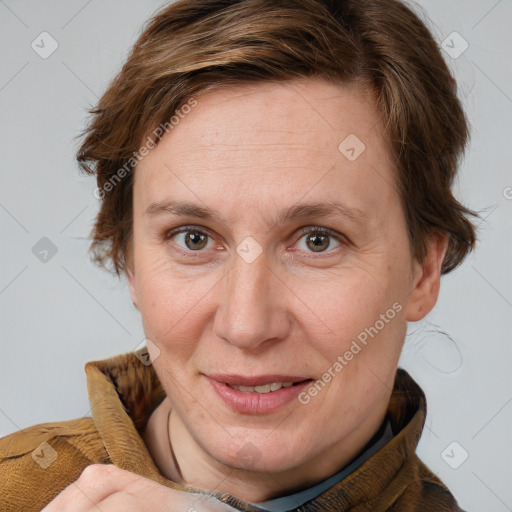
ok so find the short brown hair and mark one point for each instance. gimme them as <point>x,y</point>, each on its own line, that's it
<point>192,46</point>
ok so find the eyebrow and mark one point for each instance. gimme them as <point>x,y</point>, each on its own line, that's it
<point>295,212</point>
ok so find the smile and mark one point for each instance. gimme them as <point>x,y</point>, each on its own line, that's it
<point>266,388</point>
<point>257,395</point>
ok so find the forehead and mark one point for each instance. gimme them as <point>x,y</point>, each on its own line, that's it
<point>306,111</point>
<point>303,136</point>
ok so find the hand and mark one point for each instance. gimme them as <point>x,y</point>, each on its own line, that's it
<point>107,488</point>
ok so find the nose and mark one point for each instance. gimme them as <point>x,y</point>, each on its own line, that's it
<point>252,312</point>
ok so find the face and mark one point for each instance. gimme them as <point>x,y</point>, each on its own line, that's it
<point>268,243</point>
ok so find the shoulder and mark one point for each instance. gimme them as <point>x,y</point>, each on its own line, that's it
<point>427,493</point>
<point>38,462</point>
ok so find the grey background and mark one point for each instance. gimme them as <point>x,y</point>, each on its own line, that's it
<point>58,314</point>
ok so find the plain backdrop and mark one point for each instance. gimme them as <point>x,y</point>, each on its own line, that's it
<point>59,311</point>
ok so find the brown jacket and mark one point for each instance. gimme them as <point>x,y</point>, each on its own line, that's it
<point>40,461</point>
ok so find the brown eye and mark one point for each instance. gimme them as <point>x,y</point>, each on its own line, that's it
<point>318,240</point>
<point>195,240</point>
<point>318,243</point>
<point>189,239</point>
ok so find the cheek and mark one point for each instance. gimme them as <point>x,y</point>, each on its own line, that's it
<point>346,300</point>
<point>356,314</point>
<point>172,307</point>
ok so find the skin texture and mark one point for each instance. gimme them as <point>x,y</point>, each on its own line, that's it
<point>247,153</point>
<point>107,488</point>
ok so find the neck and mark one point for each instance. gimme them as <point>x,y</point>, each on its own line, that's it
<point>182,460</point>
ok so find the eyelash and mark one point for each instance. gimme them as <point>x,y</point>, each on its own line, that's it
<point>307,229</point>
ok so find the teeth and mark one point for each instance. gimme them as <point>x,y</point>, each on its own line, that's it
<point>266,388</point>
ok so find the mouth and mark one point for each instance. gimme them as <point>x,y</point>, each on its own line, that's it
<point>265,388</point>
<point>258,394</point>
<point>260,383</point>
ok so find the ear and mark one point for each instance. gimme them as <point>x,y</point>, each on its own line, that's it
<point>427,279</point>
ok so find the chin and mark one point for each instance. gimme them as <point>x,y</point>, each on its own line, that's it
<point>254,451</point>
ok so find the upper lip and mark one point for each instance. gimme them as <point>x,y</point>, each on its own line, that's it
<point>240,380</point>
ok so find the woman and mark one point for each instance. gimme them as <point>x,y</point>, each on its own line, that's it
<point>275,183</point>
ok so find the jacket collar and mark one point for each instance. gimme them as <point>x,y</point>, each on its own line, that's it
<point>123,392</point>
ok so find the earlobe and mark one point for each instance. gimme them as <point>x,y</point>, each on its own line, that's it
<point>427,279</point>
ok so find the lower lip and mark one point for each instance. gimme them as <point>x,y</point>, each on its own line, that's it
<point>257,403</point>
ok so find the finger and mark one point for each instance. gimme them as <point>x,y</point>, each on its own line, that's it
<point>96,482</point>
<point>152,495</point>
